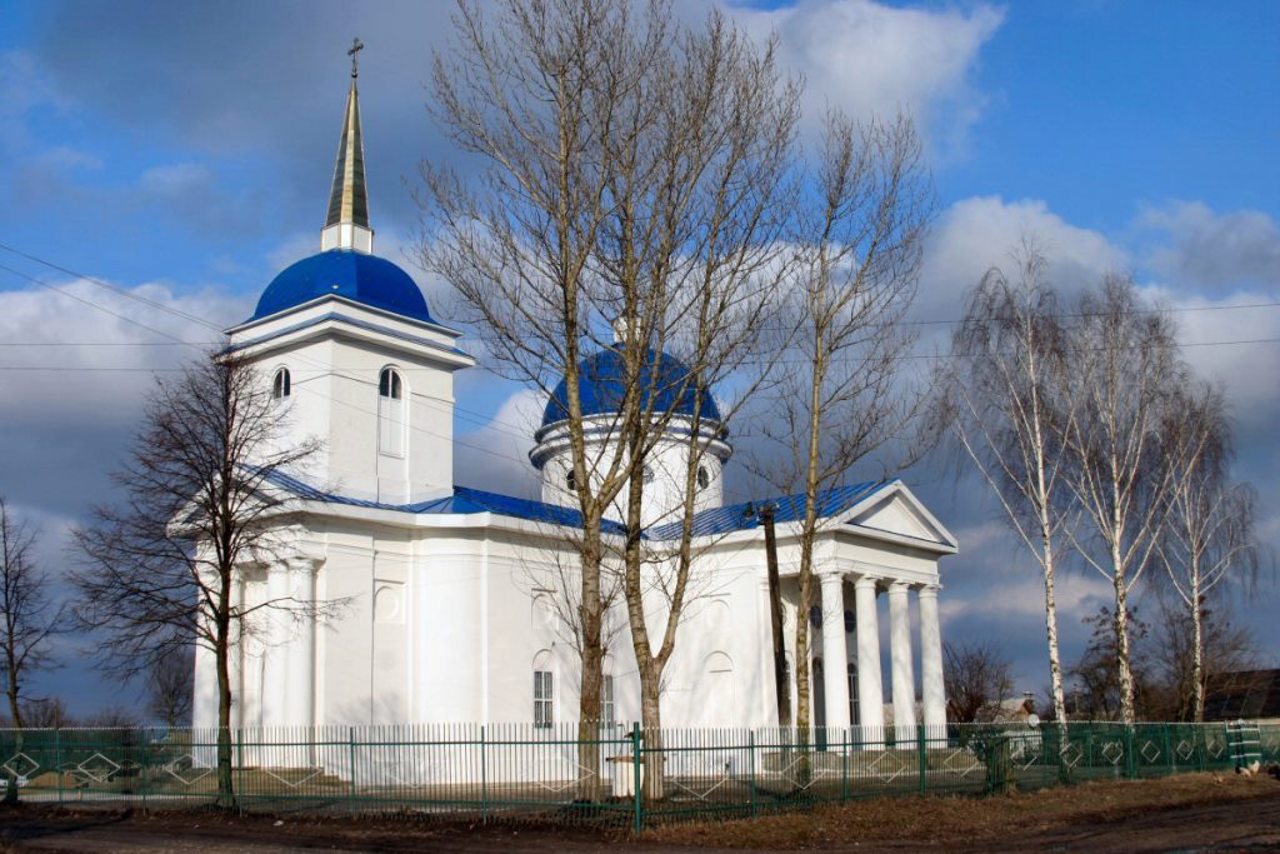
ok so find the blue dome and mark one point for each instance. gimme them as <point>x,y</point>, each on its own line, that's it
<point>366,279</point>
<point>600,380</point>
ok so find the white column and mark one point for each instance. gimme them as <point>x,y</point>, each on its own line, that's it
<point>300,657</point>
<point>835,681</point>
<point>300,652</point>
<point>275,631</point>
<point>904,681</point>
<point>870,687</point>
<point>935,697</point>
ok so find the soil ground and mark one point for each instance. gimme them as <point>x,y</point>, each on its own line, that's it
<point>1201,812</point>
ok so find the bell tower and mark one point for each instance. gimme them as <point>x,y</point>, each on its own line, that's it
<point>346,341</point>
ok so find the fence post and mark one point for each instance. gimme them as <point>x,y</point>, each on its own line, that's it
<point>1130,759</point>
<point>751,743</point>
<point>351,754</point>
<point>844,765</point>
<point>484,778</point>
<point>1172,758</point>
<point>923,758</point>
<point>57,760</point>
<point>636,777</point>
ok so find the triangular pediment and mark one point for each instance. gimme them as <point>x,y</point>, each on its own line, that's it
<point>898,513</point>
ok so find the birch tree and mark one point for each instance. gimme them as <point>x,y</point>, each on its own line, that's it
<point>1124,371</point>
<point>1207,542</point>
<point>1003,399</point>
<point>199,509</point>
<point>843,391</point>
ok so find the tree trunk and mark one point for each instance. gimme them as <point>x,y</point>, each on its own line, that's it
<point>1124,671</point>
<point>1197,653</point>
<point>651,717</point>
<point>226,788</point>
<point>1051,629</point>
<point>11,778</point>
<point>589,698</point>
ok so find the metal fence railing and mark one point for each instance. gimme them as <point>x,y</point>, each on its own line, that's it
<point>620,776</point>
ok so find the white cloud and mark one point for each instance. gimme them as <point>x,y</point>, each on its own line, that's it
<point>496,455</point>
<point>1206,326</point>
<point>92,364</point>
<point>874,60</point>
<point>1077,595</point>
<point>1193,245</point>
<point>980,232</point>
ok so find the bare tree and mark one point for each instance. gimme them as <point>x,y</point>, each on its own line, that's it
<point>46,713</point>
<point>30,618</point>
<point>171,688</point>
<point>1208,539</point>
<point>843,393</point>
<point>532,95</point>
<point>1185,658</point>
<point>1096,687</point>
<point>1003,399</point>
<point>201,507</point>
<point>1125,368</point>
<point>629,208</point>
<point>979,677</point>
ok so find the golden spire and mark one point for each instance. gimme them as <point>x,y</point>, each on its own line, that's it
<point>347,225</point>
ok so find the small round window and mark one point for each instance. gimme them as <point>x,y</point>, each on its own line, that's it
<point>282,385</point>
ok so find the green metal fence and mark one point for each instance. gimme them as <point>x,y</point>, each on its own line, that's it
<point>621,776</point>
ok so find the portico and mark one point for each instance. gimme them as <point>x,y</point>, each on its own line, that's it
<point>870,701</point>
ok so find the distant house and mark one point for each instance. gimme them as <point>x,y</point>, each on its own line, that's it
<point>1243,694</point>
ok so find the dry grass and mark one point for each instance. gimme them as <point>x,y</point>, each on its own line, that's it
<point>934,819</point>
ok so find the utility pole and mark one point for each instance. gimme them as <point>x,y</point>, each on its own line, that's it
<point>782,683</point>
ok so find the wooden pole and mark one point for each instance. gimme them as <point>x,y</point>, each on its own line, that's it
<point>781,681</point>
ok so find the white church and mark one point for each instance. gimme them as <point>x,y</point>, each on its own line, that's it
<point>451,612</point>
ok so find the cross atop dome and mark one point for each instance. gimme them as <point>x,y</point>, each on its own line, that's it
<point>347,225</point>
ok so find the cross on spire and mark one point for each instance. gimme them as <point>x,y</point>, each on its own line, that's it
<point>354,53</point>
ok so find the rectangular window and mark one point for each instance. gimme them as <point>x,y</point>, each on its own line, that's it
<point>391,426</point>
<point>606,701</point>
<point>543,715</point>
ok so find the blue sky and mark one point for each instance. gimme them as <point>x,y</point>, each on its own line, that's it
<point>182,151</point>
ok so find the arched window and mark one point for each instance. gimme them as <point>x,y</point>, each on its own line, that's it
<point>704,479</point>
<point>389,384</point>
<point>391,419</point>
<point>571,482</point>
<point>647,474</point>
<point>281,386</point>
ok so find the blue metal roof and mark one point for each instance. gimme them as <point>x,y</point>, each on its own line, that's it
<point>464,500</point>
<point>788,508</point>
<point>362,278</point>
<point>715,521</point>
<point>602,386</point>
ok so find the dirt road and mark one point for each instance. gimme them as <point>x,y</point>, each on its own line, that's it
<point>1246,818</point>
